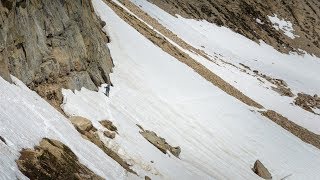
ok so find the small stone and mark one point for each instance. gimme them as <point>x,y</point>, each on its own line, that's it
<point>109,125</point>
<point>175,151</point>
<point>81,123</point>
<point>147,178</point>
<point>261,170</point>
<point>109,134</point>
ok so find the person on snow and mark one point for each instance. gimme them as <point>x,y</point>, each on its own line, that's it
<point>107,90</point>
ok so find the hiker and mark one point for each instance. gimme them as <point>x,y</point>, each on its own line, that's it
<point>107,90</point>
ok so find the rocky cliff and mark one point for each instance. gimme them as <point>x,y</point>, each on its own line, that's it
<point>250,18</point>
<point>53,44</point>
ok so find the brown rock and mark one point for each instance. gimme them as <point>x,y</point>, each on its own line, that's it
<point>52,159</point>
<point>109,134</point>
<point>81,123</point>
<point>261,170</point>
<point>160,142</point>
<point>109,125</point>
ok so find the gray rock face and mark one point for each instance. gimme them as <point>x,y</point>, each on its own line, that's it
<point>49,44</point>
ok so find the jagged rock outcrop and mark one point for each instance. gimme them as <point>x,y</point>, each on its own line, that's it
<point>52,159</point>
<point>241,17</point>
<point>50,44</point>
<point>159,142</point>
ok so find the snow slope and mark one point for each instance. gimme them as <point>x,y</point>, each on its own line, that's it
<point>25,118</point>
<point>300,72</point>
<point>220,137</point>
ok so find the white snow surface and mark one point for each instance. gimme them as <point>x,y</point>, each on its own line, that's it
<point>25,118</point>
<point>282,24</point>
<point>220,137</point>
<point>300,72</point>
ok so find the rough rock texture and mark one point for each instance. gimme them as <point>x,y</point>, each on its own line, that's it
<point>261,171</point>
<point>160,142</point>
<point>50,44</point>
<point>52,159</point>
<point>241,17</point>
<point>109,125</point>
<point>89,132</point>
<point>308,102</point>
<point>82,124</point>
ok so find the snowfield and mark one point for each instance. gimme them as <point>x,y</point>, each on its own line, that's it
<point>300,72</point>
<point>220,137</point>
<point>25,118</point>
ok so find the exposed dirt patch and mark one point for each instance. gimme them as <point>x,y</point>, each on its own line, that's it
<point>159,142</point>
<point>308,102</point>
<point>52,159</point>
<point>241,17</point>
<point>85,127</point>
<point>302,133</point>
<point>261,170</point>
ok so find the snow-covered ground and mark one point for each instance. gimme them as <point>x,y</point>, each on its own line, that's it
<point>300,72</point>
<point>220,137</point>
<point>25,118</point>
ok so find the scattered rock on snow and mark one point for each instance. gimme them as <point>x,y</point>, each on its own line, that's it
<point>52,159</point>
<point>159,142</point>
<point>261,170</point>
<point>88,132</point>
<point>109,125</point>
<point>109,134</point>
<point>147,178</point>
<point>308,102</point>
<point>82,124</point>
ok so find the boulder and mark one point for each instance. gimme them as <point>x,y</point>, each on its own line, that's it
<point>109,134</point>
<point>82,124</point>
<point>261,170</point>
<point>109,125</point>
<point>52,159</point>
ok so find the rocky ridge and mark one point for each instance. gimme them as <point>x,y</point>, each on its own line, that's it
<point>51,45</point>
<point>250,18</point>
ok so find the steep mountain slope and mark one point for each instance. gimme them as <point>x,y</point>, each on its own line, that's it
<point>242,17</point>
<point>190,99</point>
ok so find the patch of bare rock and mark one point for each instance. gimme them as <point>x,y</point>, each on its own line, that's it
<point>112,129</point>
<point>160,142</point>
<point>89,132</point>
<point>52,159</point>
<point>308,102</point>
<point>261,170</point>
